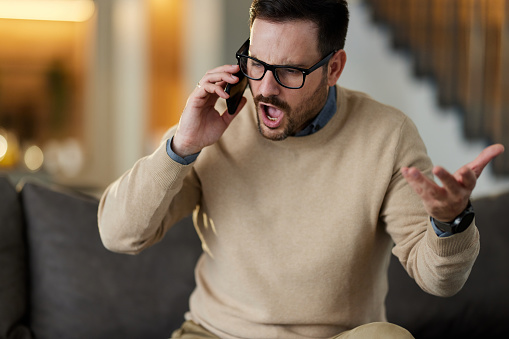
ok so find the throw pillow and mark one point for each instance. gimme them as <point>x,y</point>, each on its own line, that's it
<point>81,290</point>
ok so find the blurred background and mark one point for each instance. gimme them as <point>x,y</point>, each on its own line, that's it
<point>88,87</point>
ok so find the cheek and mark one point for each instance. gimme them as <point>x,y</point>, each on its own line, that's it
<point>253,86</point>
<point>298,98</point>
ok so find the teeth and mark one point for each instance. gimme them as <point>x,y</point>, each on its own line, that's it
<point>266,108</point>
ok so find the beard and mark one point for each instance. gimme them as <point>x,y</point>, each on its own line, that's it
<point>295,119</point>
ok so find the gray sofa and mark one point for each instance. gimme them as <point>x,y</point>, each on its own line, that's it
<point>58,281</point>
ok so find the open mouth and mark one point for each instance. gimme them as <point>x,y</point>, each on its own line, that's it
<point>272,116</point>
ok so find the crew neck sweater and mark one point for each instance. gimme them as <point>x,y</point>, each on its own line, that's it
<point>297,234</point>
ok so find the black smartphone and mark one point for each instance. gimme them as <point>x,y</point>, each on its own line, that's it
<point>236,91</point>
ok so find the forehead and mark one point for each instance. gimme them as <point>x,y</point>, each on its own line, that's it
<point>289,42</point>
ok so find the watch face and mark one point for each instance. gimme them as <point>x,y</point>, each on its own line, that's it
<point>463,221</point>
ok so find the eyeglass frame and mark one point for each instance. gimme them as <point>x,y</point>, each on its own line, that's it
<point>273,68</point>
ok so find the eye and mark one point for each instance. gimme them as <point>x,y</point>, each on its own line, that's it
<point>255,64</point>
<point>290,71</point>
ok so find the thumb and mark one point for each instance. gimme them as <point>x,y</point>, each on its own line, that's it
<point>228,118</point>
<point>484,158</point>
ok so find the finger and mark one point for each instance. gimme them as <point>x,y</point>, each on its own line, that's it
<point>449,182</point>
<point>229,117</point>
<point>466,177</point>
<point>421,184</point>
<point>225,68</point>
<point>204,89</point>
<point>488,154</point>
<point>219,77</point>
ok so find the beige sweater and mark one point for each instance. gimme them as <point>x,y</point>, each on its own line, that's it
<point>297,234</point>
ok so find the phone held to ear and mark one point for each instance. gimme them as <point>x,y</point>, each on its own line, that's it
<point>236,91</point>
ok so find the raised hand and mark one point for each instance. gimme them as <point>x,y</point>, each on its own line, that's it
<point>446,202</point>
<point>201,124</point>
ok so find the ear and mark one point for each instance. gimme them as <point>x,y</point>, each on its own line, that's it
<point>336,66</point>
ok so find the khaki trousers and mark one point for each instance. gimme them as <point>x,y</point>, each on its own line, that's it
<point>190,330</point>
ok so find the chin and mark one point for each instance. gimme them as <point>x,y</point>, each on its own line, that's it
<point>277,134</point>
<point>274,136</point>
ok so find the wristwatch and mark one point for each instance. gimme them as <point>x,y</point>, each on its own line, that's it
<point>460,223</point>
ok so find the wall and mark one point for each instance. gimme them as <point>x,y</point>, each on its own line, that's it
<point>116,103</point>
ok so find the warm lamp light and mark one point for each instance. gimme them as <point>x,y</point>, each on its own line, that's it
<point>3,146</point>
<point>9,149</point>
<point>52,10</point>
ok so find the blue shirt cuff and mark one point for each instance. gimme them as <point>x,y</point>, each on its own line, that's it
<point>440,233</point>
<point>183,161</point>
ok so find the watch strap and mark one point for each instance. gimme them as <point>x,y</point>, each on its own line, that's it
<point>458,224</point>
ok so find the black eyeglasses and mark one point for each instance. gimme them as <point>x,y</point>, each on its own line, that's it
<point>287,76</point>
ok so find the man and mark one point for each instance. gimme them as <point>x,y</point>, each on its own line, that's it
<point>300,196</point>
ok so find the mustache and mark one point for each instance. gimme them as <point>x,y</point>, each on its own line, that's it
<point>275,101</point>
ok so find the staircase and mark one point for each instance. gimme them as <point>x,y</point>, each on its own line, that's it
<point>457,112</point>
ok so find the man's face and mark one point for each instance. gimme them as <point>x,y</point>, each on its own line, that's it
<point>281,111</point>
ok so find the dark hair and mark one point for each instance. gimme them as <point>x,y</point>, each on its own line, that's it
<point>331,17</point>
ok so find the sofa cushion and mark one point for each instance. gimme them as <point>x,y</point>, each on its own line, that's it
<point>480,309</point>
<point>81,290</point>
<point>12,264</point>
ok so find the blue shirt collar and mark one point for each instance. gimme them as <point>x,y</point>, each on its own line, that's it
<point>327,112</point>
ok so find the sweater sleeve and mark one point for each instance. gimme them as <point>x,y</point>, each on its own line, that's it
<point>137,209</point>
<point>439,265</point>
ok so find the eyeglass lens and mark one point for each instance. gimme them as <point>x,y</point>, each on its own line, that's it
<point>286,76</point>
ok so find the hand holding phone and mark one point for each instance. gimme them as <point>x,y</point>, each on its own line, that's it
<point>199,125</point>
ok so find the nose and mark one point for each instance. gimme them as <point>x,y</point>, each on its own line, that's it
<point>268,85</point>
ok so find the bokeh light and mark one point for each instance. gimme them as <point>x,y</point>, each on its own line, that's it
<point>34,158</point>
<point>3,146</point>
<point>53,10</point>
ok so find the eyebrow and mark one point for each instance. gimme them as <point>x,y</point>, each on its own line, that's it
<point>282,65</point>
